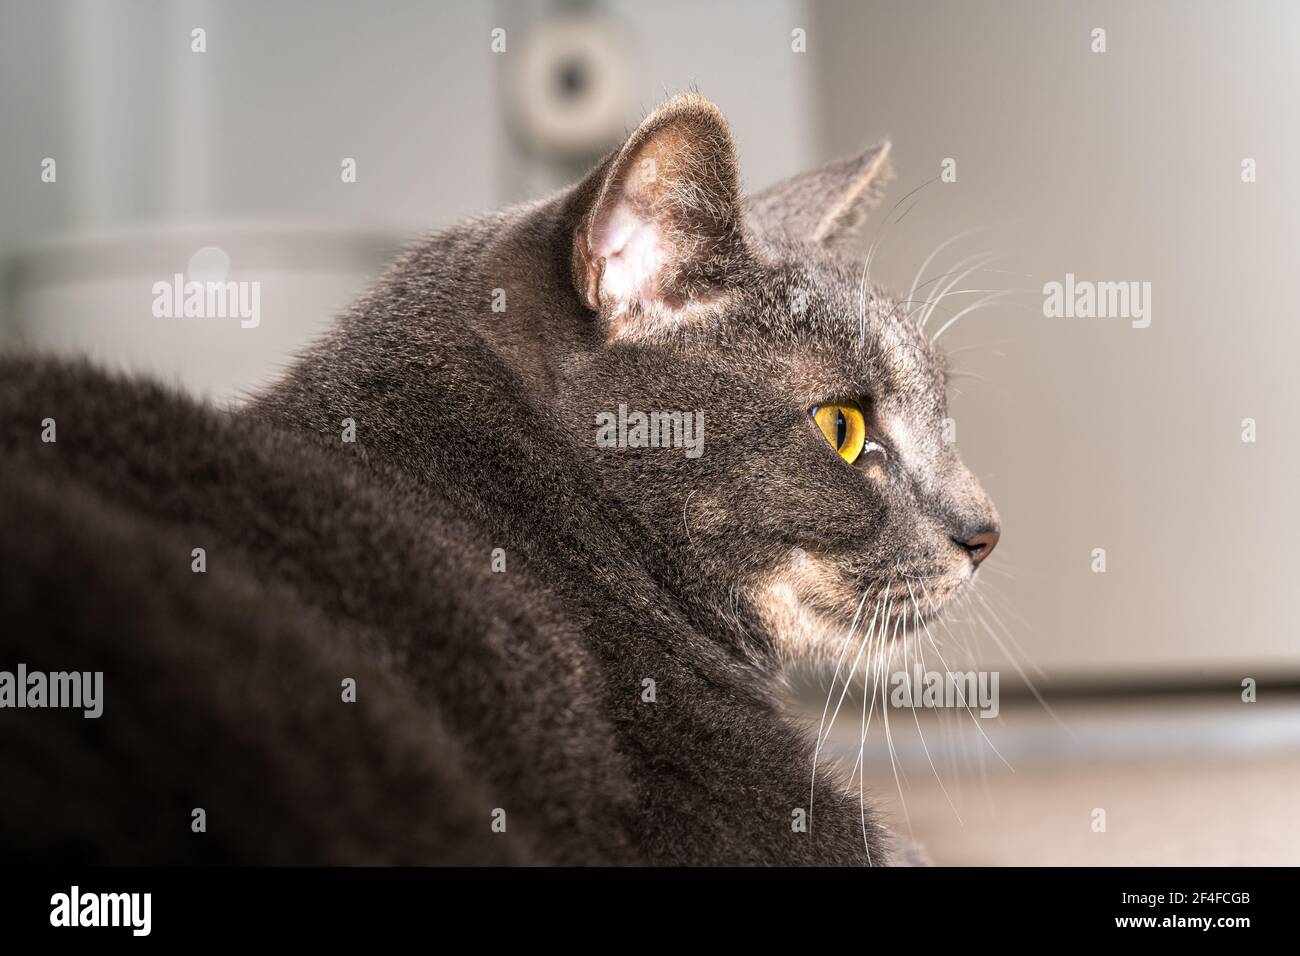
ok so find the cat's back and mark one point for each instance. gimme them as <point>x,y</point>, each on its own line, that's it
<point>320,660</point>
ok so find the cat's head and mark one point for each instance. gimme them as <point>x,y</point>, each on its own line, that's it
<point>808,476</point>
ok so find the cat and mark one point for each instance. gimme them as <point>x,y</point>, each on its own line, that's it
<point>447,612</point>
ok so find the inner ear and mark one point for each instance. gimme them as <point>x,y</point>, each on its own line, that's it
<point>662,230</point>
<point>630,246</point>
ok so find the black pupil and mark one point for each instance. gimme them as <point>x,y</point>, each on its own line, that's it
<point>841,430</point>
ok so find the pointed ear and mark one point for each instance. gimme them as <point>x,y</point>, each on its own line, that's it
<point>659,234</point>
<point>827,205</point>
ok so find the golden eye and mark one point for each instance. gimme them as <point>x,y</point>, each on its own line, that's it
<point>843,425</point>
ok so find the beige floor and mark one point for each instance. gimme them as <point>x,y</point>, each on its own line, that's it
<point>1185,784</point>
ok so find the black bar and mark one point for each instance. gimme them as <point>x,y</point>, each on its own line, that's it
<point>946,906</point>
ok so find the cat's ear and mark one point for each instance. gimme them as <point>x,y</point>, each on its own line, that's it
<point>659,234</point>
<point>827,205</point>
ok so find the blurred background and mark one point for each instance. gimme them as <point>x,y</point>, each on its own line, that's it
<point>1147,564</point>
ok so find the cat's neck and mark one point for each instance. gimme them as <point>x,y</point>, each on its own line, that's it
<point>458,398</point>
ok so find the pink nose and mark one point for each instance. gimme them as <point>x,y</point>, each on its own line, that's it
<point>982,545</point>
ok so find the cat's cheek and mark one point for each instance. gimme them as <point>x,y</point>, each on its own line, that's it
<point>805,604</point>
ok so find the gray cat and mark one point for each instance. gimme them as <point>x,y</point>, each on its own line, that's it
<point>621,456</point>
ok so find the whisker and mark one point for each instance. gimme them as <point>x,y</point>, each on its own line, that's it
<point>821,739</point>
<point>1002,272</point>
<point>938,249</point>
<point>893,761</point>
<point>949,739</point>
<point>978,346</point>
<point>964,639</point>
<point>1010,636</point>
<point>871,252</point>
<point>1023,676</point>
<point>869,711</point>
<point>960,696</point>
<point>975,263</point>
<point>852,669</point>
<point>877,638</point>
<point>924,303</point>
<point>912,703</point>
<point>986,300</point>
<point>862,763</point>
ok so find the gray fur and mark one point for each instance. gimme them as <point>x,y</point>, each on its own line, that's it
<point>827,205</point>
<point>476,430</point>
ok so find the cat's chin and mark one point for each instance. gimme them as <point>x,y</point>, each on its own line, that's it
<point>809,625</point>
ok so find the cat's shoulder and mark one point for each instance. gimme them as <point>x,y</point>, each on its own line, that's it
<point>227,533</point>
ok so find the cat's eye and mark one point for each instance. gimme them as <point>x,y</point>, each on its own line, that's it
<point>843,425</point>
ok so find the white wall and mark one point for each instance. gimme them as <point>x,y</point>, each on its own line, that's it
<point>162,151</point>
<point>1117,166</point>
<point>1123,165</point>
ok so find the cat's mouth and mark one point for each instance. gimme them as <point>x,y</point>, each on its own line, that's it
<point>899,608</point>
<point>813,606</point>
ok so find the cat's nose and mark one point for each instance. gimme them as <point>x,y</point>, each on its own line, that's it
<point>980,546</point>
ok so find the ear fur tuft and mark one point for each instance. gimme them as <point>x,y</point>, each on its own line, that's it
<point>827,205</point>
